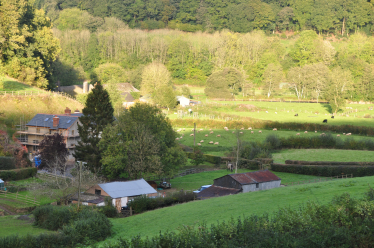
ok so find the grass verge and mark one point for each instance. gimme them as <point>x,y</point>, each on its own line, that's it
<point>11,225</point>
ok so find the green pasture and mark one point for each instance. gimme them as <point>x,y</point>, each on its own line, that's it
<point>13,85</point>
<point>11,225</point>
<point>194,181</point>
<point>224,208</point>
<point>323,155</point>
<point>228,139</point>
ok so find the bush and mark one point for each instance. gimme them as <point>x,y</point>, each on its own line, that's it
<point>197,157</point>
<point>143,203</point>
<point>90,225</point>
<point>324,170</point>
<point>7,163</point>
<point>252,150</point>
<point>17,174</point>
<point>274,141</point>
<point>212,159</point>
<point>108,210</point>
<point>52,217</point>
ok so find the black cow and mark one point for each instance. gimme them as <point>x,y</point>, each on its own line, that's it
<point>296,114</point>
<point>332,117</point>
<point>324,121</point>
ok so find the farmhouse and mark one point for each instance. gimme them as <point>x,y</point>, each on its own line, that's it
<point>122,192</point>
<point>249,181</point>
<point>46,124</point>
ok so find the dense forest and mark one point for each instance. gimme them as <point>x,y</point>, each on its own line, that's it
<point>335,16</point>
<point>96,40</point>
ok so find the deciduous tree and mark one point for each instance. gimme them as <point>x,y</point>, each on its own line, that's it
<point>273,75</point>
<point>53,153</point>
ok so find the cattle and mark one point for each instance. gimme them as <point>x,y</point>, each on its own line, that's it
<point>324,121</point>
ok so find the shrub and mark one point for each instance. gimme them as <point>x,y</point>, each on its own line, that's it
<point>274,141</point>
<point>108,210</point>
<point>197,156</point>
<point>18,174</point>
<point>252,150</point>
<point>7,163</point>
<point>52,217</point>
<point>212,159</point>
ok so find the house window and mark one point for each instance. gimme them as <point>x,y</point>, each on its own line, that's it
<point>257,185</point>
<point>60,132</point>
<point>35,141</point>
<point>97,192</point>
<point>37,130</point>
<point>34,148</point>
<point>72,132</point>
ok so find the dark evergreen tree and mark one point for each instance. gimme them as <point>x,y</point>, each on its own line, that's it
<point>97,114</point>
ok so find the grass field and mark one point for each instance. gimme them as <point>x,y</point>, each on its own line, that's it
<point>11,225</point>
<point>13,85</point>
<point>194,181</point>
<point>223,208</point>
<point>323,155</point>
<point>228,139</point>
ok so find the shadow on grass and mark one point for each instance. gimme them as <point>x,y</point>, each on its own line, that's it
<point>327,107</point>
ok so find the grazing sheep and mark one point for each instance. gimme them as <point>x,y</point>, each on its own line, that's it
<point>216,143</point>
<point>233,131</point>
<point>249,128</point>
<point>184,129</point>
<point>210,129</point>
<point>198,131</point>
<point>192,130</point>
<point>252,132</point>
<point>260,131</point>
<point>338,135</point>
<point>191,134</point>
<point>198,144</point>
<point>315,131</point>
<point>211,142</point>
<point>348,134</point>
<point>206,135</point>
<point>211,132</point>
<point>324,121</point>
<point>218,135</point>
<point>241,132</point>
<point>343,133</point>
<point>266,111</point>
<point>306,132</point>
<point>298,134</point>
<point>201,141</point>
<point>296,114</point>
<point>201,129</point>
<point>332,117</point>
<point>176,138</point>
<point>242,128</point>
<point>276,113</point>
<point>274,129</point>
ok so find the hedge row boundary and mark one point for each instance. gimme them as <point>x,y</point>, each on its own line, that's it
<point>300,162</point>
<point>324,170</point>
<point>7,163</point>
<point>18,174</point>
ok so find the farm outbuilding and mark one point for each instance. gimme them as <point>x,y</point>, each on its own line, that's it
<point>122,192</point>
<point>214,191</point>
<point>183,101</point>
<point>249,181</point>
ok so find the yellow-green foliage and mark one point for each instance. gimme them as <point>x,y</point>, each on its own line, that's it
<point>14,108</point>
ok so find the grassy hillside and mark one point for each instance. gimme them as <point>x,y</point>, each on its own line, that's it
<point>10,84</point>
<point>323,155</point>
<point>228,139</point>
<point>20,227</point>
<point>224,208</point>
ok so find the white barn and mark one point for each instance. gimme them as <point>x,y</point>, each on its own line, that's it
<point>183,101</point>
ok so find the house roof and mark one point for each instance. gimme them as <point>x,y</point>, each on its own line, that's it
<point>129,188</point>
<point>95,199</point>
<point>126,87</point>
<point>128,97</point>
<point>1,181</point>
<point>254,177</point>
<point>179,98</point>
<point>214,191</point>
<point>46,120</point>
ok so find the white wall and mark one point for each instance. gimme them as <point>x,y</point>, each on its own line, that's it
<point>261,186</point>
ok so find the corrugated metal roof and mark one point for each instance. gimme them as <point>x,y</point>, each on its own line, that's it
<point>214,191</point>
<point>39,120</point>
<point>254,177</point>
<point>129,188</point>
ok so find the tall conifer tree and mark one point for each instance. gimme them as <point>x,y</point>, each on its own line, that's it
<point>97,113</point>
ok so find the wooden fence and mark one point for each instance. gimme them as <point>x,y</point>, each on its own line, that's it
<point>126,212</point>
<point>317,180</point>
<point>22,198</point>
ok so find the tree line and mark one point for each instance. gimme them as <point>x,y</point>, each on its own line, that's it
<point>338,16</point>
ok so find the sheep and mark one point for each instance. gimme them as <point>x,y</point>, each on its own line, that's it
<point>216,143</point>
<point>343,133</point>
<point>218,135</point>
<point>206,135</point>
<point>296,114</point>
<point>211,132</point>
<point>241,132</point>
<point>315,131</point>
<point>266,111</point>
<point>198,131</point>
<point>201,129</point>
<point>242,128</point>
<point>338,135</point>
<point>348,134</point>
<point>252,132</point>
<point>233,131</point>
<point>210,129</point>
<point>201,141</point>
<point>276,113</point>
<point>176,138</point>
<point>260,131</point>
<point>211,142</point>
<point>298,134</point>
<point>198,144</point>
<point>274,129</point>
<point>332,117</point>
<point>306,132</point>
<point>324,121</point>
<point>191,134</point>
<point>184,129</point>
<point>192,130</point>
<point>249,128</point>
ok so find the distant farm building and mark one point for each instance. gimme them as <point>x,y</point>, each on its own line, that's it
<point>241,183</point>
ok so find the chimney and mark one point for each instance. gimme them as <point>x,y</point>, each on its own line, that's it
<point>56,120</point>
<point>76,111</point>
<point>67,111</point>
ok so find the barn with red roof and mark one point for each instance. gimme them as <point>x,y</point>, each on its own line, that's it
<point>249,181</point>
